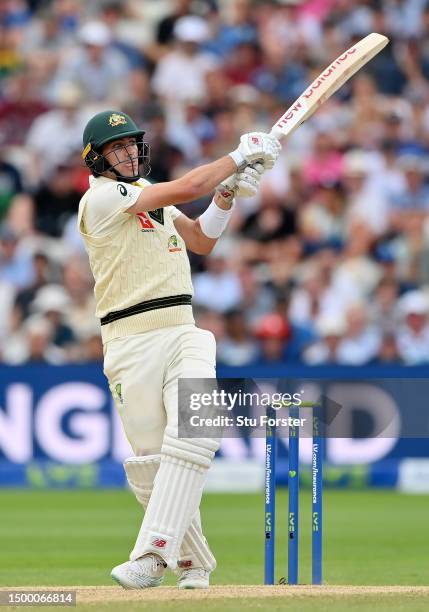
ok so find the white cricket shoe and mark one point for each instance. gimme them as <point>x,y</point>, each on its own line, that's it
<point>143,573</point>
<point>194,578</point>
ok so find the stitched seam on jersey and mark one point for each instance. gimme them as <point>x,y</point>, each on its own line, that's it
<point>155,304</point>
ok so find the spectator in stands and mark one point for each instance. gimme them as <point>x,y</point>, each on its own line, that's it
<point>187,60</point>
<point>33,344</point>
<point>10,57</point>
<point>165,27</point>
<point>279,340</point>
<point>273,331</point>
<point>414,196</point>
<point>388,353</point>
<point>322,219</point>
<point>383,310</point>
<point>113,15</point>
<point>357,274</point>
<point>265,227</point>
<point>219,287</point>
<point>212,321</point>
<point>325,164</point>
<point>237,348</point>
<point>20,217</point>
<point>310,297</point>
<point>16,265</point>
<point>42,276</point>
<point>242,63</point>
<point>330,327</point>
<point>20,103</point>
<point>61,128</point>
<point>413,334</point>
<point>361,340</point>
<point>237,26</point>
<point>91,346</point>
<point>78,283</point>
<point>96,68</point>
<point>56,200</point>
<point>257,298</point>
<point>408,249</point>
<point>366,204</point>
<point>52,302</point>
<point>10,185</point>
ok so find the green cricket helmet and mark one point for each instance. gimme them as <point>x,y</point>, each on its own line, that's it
<point>106,127</point>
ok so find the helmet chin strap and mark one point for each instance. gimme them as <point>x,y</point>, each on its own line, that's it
<point>125,179</point>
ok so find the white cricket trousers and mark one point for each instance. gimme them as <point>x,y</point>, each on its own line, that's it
<point>143,370</point>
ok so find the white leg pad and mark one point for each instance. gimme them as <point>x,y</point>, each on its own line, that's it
<point>176,496</point>
<point>194,551</point>
<point>141,472</point>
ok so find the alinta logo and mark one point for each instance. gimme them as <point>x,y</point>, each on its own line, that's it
<point>173,244</point>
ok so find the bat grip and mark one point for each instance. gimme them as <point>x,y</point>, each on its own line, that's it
<point>277,132</point>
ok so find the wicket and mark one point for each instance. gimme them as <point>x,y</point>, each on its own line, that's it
<point>293,494</point>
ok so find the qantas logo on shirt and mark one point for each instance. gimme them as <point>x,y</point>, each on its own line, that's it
<point>146,224</point>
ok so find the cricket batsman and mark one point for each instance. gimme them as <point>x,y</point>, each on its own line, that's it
<point>136,240</point>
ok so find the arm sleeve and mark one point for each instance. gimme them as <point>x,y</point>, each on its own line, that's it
<point>107,207</point>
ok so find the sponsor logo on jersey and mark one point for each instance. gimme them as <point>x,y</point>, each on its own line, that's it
<point>157,215</point>
<point>173,244</point>
<point>118,392</point>
<point>122,189</point>
<point>146,224</point>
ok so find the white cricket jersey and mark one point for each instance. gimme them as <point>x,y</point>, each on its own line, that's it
<point>139,262</point>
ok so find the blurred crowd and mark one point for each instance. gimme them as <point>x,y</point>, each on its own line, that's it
<point>329,263</point>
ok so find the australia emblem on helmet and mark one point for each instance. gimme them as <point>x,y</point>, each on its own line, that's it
<point>116,119</point>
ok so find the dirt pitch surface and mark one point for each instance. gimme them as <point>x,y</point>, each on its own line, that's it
<point>111,594</point>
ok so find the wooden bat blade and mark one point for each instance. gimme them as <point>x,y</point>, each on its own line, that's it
<point>328,82</point>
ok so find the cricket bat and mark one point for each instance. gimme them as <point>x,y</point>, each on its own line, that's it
<point>327,83</point>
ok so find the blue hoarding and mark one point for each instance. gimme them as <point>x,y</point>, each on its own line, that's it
<point>58,427</point>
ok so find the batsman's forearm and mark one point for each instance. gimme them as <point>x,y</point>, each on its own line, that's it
<point>205,178</point>
<point>191,186</point>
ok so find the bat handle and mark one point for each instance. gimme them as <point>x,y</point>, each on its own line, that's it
<point>277,132</point>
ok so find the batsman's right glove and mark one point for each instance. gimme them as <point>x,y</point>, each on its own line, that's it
<point>244,183</point>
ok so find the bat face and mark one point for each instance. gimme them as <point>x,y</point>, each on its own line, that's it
<point>328,82</point>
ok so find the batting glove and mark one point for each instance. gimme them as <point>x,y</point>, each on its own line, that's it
<point>256,147</point>
<point>244,184</point>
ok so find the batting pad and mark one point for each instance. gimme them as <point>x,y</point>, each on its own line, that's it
<point>176,496</point>
<point>194,551</point>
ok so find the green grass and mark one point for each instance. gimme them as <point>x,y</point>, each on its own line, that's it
<point>74,538</point>
<point>303,604</point>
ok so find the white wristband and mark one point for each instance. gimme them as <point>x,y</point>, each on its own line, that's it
<point>214,220</point>
<point>237,157</point>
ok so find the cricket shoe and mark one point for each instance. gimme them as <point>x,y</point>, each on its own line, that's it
<point>194,578</point>
<point>143,573</point>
